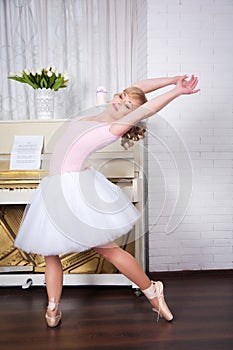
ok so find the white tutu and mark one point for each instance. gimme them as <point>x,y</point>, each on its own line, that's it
<point>74,212</point>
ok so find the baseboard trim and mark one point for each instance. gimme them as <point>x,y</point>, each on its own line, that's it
<point>190,274</point>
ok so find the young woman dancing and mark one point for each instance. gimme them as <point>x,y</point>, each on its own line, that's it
<point>76,208</point>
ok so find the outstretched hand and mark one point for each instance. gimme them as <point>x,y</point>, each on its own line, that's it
<point>185,86</point>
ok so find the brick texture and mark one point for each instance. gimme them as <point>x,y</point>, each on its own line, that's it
<point>190,142</point>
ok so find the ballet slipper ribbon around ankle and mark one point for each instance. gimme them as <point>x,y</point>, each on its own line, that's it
<point>151,293</point>
<point>52,304</point>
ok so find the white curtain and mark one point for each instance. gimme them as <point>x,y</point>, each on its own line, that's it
<point>95,41</point>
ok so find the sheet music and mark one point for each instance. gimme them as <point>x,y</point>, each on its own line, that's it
<point>26,152</point>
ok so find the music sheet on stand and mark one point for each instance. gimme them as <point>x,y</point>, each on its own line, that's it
<point>26,152</point>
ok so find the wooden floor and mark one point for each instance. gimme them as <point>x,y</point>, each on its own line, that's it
<point>114,318</point>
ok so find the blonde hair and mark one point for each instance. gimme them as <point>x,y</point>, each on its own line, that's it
<point>137,132</point>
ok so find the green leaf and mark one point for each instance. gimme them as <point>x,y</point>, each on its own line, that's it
<point>17,79</point>
<point>28,80</point>
<point>43,83</point>
<point>24,81</point>
<point>38,79</point>
<point>58,83</point>
<point>52,80</point>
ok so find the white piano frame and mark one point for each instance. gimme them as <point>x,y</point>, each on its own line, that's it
<point>47,128</point>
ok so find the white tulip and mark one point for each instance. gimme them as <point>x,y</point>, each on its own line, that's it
<point>65,75</point>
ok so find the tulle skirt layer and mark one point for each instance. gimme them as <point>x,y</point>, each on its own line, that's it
<point>74,212</point>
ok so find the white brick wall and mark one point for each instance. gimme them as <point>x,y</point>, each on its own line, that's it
<point>192,36</point>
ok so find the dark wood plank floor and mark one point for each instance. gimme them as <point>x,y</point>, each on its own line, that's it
<point>114,318</point>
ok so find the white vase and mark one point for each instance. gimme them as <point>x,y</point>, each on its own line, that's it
<point>45,103</point>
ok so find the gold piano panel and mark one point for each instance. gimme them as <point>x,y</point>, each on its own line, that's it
<point>84,262</point>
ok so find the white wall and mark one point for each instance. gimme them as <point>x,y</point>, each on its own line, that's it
<point>186,36</point>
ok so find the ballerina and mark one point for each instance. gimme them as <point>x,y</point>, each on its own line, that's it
<point>76,208</point>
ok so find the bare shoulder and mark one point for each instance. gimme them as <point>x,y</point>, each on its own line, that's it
<point>122,125</point>
<point>119,128</point>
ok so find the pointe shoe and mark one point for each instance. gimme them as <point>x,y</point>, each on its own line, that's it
<point>53,321</point>
<point>156,291</point>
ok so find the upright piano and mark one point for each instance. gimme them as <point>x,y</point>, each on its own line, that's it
<point>126,168</point>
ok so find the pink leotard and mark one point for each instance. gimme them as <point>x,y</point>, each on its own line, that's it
<point>81,138</point>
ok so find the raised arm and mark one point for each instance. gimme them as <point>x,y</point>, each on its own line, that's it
<point>183,87</point>
<point>149,85</point>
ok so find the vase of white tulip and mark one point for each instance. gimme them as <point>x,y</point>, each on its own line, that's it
<point>45,82</point>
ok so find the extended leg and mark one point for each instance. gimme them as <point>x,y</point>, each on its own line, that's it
<point>128,265</point>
